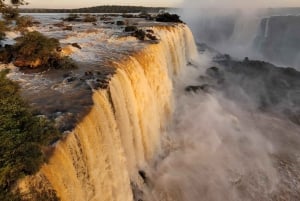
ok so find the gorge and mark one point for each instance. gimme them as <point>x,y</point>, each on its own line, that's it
<point>150,115</point>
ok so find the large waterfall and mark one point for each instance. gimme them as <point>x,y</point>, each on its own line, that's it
<point>101,157</point>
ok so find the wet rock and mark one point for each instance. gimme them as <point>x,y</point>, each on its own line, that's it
<point>76,45</point>
<point>216,73</point>
<point>140,34</point>
<point>205,88</point>
<point>167,17</point>
<point>143,175</point>
<point>68,28</point>
<point>130,29</point>
<point>120,23</point>
<point>71,79</point>
<point>151,37</point>
<point>150,31</point>
<point>36,22</point>
<point>60,24</point>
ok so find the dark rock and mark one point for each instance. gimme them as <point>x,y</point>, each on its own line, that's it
<point>214,72</point>
<point>167,17</point>
<point>66,75</point>
<point>88,73</point>
<point>125,15</point>
<point>151,37</point>
<point>68,28</point>
<point>131,29</point>
<point>195,89</point>
<point>76,45</point>
<point>120,23</point>
<point>71,79</point>
<point>58,49</point>
<point>140,34</point>
<point>142,173</point>
<point>150,31</point>
<point>60,24</point>
<point>36,22</point>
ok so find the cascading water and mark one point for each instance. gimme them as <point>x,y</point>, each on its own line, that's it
<point>101,157</point>
<point>267,28</point>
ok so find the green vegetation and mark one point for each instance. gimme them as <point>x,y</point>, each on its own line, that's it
<point>9,14</point>
<point>35,48</point>
<point>89,18</point>
<point>24,22</point>
<point>23,136</point>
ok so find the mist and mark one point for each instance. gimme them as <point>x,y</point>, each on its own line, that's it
<point>222,147</point>
<point>239,28</point>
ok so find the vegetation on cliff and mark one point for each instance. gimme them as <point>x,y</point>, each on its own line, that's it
<point>24,137</point>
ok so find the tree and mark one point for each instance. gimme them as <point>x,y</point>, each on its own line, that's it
<point>9,14</point>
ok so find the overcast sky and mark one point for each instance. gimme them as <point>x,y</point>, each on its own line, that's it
<point>202,3</point>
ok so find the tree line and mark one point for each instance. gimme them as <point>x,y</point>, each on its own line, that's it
<point>97,9</point>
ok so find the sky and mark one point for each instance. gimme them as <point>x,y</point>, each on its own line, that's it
<point>200,3</point>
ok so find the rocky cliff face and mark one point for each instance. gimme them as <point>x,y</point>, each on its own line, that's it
<point>278,39</point>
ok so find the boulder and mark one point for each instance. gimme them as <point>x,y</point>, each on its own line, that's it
<point>167,17</point>
<point>76,45</point>
<point>130,29</point>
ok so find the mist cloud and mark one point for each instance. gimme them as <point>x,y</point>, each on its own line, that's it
<point>246,4</point>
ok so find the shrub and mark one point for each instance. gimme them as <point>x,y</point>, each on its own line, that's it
<point>89,18</point>
<point>24,22</point>
<point>33,50</point>
<point>34,47</point>
<point>9,13</point>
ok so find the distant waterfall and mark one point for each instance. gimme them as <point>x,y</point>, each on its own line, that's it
<point>100,158</point>
<point>267,28</point>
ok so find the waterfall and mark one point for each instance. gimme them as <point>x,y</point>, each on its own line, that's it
<point>267,28</point>
<point>100,158</point>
